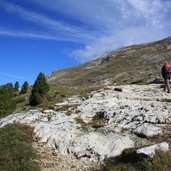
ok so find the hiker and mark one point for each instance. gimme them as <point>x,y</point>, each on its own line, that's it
<point>166,73</point>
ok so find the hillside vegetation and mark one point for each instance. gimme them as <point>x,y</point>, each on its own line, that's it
<point>16,152</point>
<point>133,64</point>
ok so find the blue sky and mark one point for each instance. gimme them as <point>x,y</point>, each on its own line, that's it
<point>39,35</point>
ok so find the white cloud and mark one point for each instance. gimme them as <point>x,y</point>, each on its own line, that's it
<point>142,21</point>
<point>96,49</point>
<point>153,11</point>
<point>128,36</point>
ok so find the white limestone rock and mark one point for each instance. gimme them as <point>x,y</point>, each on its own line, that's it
<point>149,130</point>
<point>48,111</point>
<point>57,133</point>
<point>99,145</point>
<point>74,99</point>
<point>150,150</point>
<point>62,134</point>
<point>134,111</point>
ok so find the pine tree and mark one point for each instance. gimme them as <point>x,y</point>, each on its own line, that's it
<point>24,88</point>
<point>39,91</point>
<point>16,86</point>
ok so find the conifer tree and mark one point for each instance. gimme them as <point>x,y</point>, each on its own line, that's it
<point>39,91</point>
<point>16,86</point>
<point>24,88</point>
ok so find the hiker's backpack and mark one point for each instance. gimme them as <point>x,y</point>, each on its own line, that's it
<point>167,68</point>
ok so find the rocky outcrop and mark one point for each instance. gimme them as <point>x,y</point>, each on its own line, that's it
<point>63,134</point>
<point>142,110</point>
<point>102,126</point>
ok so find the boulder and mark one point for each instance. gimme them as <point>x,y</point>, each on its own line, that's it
<point>101,146</point>
<point>150,150</point>
<point>148,130</point>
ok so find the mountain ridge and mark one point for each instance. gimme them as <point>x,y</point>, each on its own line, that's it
<point>139,63</point>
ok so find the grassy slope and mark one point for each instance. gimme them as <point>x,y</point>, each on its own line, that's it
<point>137,63</point>
<point>56,94</point>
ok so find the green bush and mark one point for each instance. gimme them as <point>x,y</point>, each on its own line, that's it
<point>20,99</point>
<point>7,106</point>
<point>16,152</point>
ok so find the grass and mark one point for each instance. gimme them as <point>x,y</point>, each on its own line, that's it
<point>56,94</point>
<point>22,102</point>
<point>130,161</point>
<point>79,120</point>
<point>16,152</point>
<point>98,120</point>
<point>68,112</point>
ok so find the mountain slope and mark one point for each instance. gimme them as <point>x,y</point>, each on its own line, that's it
<point>133,64</point>
<point>101,127</point>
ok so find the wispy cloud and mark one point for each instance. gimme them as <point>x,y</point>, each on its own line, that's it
<point>11,75</point>
<point>92,13</point>
<point>105,44</point>
<point>59,29</point>
<point>151,13</point>
<point>33,35</point>
<point>100,26</point>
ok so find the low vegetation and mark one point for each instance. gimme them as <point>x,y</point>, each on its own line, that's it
<point>98,120</point>
<point>57,93</point>
<point>129,161</point>
<point>16,152</point>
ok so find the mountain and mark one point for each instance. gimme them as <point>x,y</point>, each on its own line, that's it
<point>132,64</point>
<point>85,127</point>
